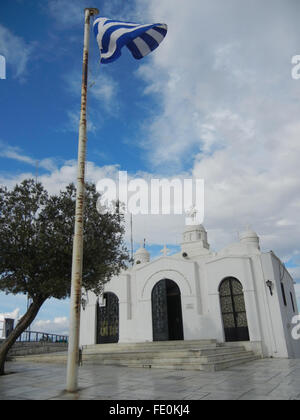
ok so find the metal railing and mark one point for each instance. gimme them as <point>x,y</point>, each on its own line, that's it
<point>41,337</point>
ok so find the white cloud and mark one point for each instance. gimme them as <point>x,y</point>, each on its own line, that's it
<point>68,14</point>
<point>221,67</point>
<point>12,315</point>
<point>67,173</point>
<point>103,90</point>
<point>72,124</point>
<point>16,52</point>
<point>157,229</point>
<point>58,178</point>
<point>59,325</point>
<point>228,112</point>
<point>102,86</point>
<point>15,153</point>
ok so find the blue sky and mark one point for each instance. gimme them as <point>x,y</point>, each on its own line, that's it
<point>46,95</point>
<point>40,99</point>
<point>215,101</point>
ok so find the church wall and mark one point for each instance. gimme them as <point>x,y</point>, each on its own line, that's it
<point>240,268</point>
<point>122,287</point>
<point>269,319</point>
<point>282,314</point>
<point>268,345</point>
<point>88,321</point>
<point>173,269</point>
<point>183,274</point>
<point>276,323</point>
<point>144,321</point>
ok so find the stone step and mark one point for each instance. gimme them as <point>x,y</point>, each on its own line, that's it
<point>156,346</point>
<point>207,367</point>
<point>156,359</point>
<point>173,354</point>
<point>206,355</point>
<point>233,362</point>
<point>162,353</point>
<point>217,350</point>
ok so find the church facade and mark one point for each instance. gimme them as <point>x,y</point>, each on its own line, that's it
<point>238,295</point>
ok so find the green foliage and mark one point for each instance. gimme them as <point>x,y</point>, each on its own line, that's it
<point>36,241</point>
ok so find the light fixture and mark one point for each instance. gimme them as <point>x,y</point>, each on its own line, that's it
<point>269,283</point>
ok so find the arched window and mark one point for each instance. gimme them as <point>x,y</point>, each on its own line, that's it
<point>233,310</point>
<point>108,319</point>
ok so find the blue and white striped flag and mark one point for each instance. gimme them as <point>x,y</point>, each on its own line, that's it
<point>113,35</point>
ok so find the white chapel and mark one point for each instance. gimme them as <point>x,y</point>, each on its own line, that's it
<point>239,294</point>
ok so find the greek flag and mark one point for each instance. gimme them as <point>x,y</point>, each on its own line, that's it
<point>113,35</point>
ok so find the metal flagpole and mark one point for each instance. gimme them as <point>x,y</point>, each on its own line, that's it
<point>73,349</point>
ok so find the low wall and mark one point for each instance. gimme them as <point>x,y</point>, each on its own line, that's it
<point>25,349</point>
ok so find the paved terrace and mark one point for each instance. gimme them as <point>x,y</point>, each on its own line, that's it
<point>269,379</point>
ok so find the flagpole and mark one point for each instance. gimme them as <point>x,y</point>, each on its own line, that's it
<point>73,348</point>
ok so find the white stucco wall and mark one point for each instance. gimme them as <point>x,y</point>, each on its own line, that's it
<point>281,315</point>
<point>238,267</point>
<point>199,278</point>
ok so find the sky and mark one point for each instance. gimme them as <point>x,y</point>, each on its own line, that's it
<point>215,101</point>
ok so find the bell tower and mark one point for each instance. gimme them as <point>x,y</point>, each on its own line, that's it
<point>194,241</point>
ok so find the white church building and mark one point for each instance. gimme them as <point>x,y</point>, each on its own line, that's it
<point>238,294</point>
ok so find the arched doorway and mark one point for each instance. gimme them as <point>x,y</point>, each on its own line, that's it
<point>233,310</point>
<point>166,311</point>
<point>108,319</point>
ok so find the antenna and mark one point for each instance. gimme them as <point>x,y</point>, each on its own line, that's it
<point>36,171</point>
<point>131,235</point>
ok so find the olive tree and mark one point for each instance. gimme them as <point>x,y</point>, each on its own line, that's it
<point>36,241</point>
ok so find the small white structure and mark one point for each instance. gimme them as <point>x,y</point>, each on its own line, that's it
<point>2,329</point>
<point>6,327</point>
<point>239,294</point>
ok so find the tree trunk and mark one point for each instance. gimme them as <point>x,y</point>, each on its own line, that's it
<point>22,325</point>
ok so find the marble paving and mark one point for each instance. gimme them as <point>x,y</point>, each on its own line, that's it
<point>268,379</point>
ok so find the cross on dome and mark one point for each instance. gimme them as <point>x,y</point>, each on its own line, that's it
<point>191,214</point>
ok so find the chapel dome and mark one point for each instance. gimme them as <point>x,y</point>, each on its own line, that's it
<point>194,236</point>
<point>141,256</point>
<point>249,237</point>
<point>192,228</point>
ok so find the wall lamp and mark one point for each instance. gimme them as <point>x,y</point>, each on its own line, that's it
<point>269,283</point>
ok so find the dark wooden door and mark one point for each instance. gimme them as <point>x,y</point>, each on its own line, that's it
<point>160,312</point>
<point>233,310</point>
<point>166,311</point>
<point>108,320</point>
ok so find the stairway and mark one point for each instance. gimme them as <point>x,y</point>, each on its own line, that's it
<point>205,355</point>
